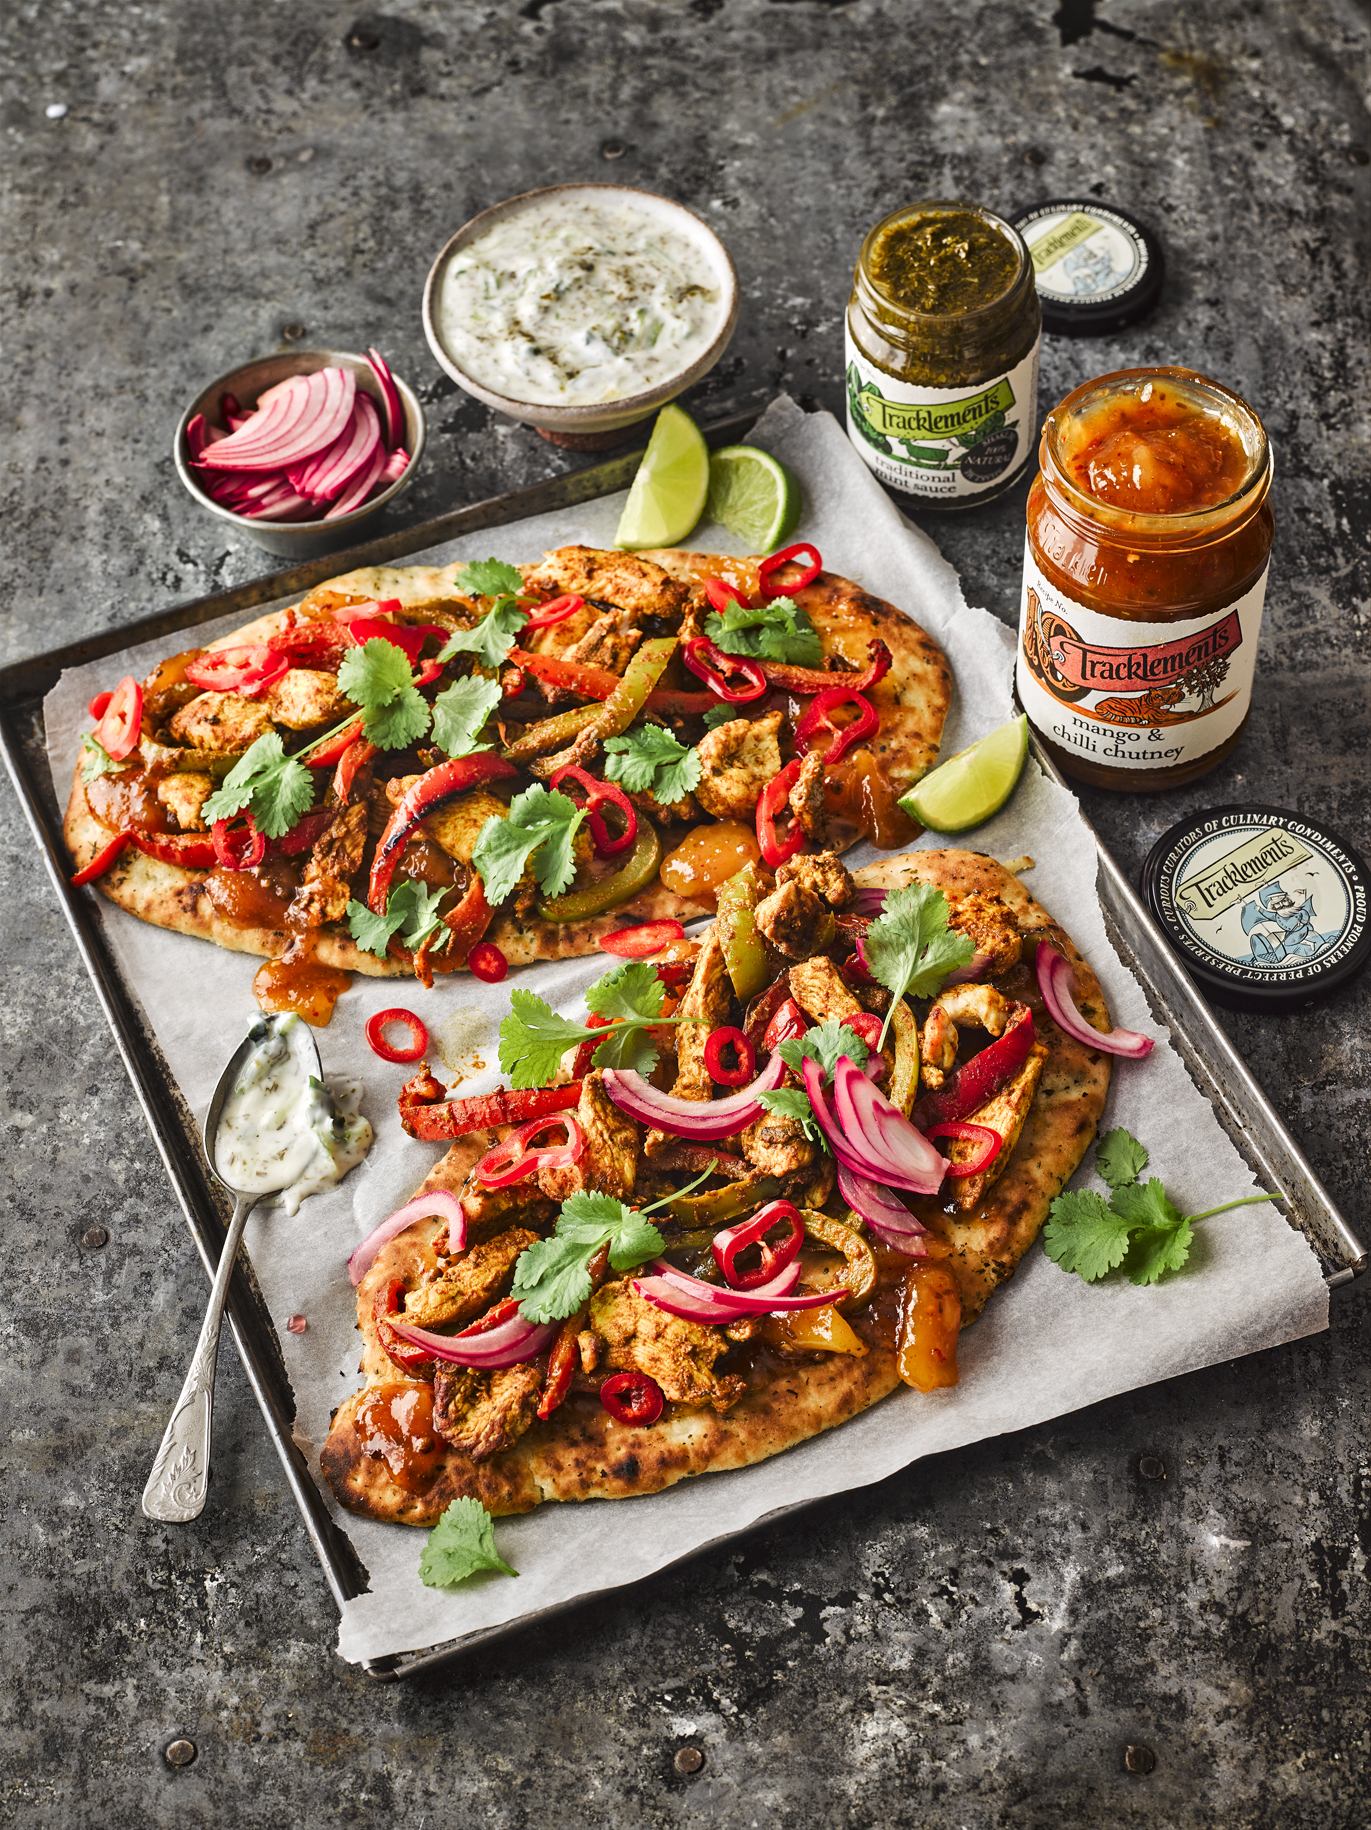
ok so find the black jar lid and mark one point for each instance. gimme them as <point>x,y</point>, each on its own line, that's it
<point>1267,909</point>
<point>1097,268</point>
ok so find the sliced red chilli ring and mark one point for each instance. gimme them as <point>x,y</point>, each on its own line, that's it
<point>632,1397</point>
<point>241,848</point>
<point>745,1067</point>
<point>121,721</point>
<point>768,568</point>
<point>487,963</point>
<point>376,1028</point>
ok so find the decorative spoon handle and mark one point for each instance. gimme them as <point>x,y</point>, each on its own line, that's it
<point>179,1482</point>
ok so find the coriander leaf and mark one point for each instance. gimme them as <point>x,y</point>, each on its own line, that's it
<point>537,823</point>
<point>1119,1158</point>
<point>398,725</point>
<point>533,1039</point>
<point>910,948</point>
<point>626,1046</point>
<point>461,711</point>
<point>720,714</point>
<point>96,759</point>
<point>793,1102</point>
<point>461,1544</point>
<point>632,991</point>
<point>778,630</point>
<point>489,578</point>
<point>1155,1249</point>
<point>375,674</point>
<point>552,1279</point>
<point>1083,1234</point>
<point>492,638</point>
<point>824,1044</point>
<point>1145,1204</point>
<point>372,932</point>
<point>275,788</point>
<point>593,1218</point>
<point>650,760</point>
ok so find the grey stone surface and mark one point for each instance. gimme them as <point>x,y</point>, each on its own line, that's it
<point>976,1641</point>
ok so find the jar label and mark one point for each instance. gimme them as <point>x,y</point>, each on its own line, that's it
<point>1134,695</point>
<point>941,444</point>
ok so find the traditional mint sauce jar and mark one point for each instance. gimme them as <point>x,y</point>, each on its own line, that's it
<point>941,355</point>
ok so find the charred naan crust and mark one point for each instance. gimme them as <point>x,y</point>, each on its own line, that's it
<point>583,1453</point>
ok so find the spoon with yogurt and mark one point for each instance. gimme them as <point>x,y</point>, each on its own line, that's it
<point>273,1127</point>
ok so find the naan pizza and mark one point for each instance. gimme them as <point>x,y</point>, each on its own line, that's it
<point>424,769</point>
<point>706,1272</point>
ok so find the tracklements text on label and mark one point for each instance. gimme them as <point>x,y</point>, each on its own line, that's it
<point>942,444</point>
<point>1134,695</point>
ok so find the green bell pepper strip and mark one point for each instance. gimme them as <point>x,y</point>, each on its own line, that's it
<point>630,696</point>
<point>590,899</point>
<point>720,1204</point>
<point>904,1082</point>
<point>744,948</point>
<point>550,734</point>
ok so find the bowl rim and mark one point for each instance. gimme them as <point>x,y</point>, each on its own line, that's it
<point>322,359</point>
<point>590,414</point>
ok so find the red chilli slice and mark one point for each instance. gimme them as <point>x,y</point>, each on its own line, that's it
<point>768,568</point>
<point>375,1033</point>
<point>643,941</point>
<point>632,1397</point>
<point>121,721</point>
<point>487,963</point>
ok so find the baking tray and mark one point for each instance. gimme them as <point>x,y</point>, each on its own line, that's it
<point>1217,1070</point>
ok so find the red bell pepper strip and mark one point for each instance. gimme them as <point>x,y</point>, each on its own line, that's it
<point>787,1025</point>
<point>121,722</point>
<point>713,666</point>
<point>817,680</point>
<point>191,850</point>
<point>503,1311</point>
<point>982,1077</point>
<point>768,568</point>
<point>763,1008</point>
<point>727,1245</point>
<point>249,669</point>
<point>597,794</point>
<point>585,1053</point>
<point>410,1359</point>
<point>512,1161</point>
<point>577,676</point>
<point>304,834</point>
<point>990,1140</point>
<point>487,963</point>
<point>632,1397</point>
<point>640,942</point>
<point>467,923</point>
<point>426,1115</point>
<point>99,705</point>
<point>865,1025</point>
<point>428,792</point>
<point>103,859</point>
<point>773,798</point>
<point>722,595</point>
<point>357,754</point>
<point>817,721</point>
<point>715,1044</point>
<point>230,851</point>
<point>409,637</point>
<point>375,1034</point>
<point>331,750</point>
<point>310,642</point>
<point>556,610</point>
<point>429,671</point>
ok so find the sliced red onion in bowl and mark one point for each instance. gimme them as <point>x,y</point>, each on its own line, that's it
<point>440,1202</point>
<point>703,1121</point>
<point>508,1345</point>
<point>1056,982</point>
<point>390,396</point>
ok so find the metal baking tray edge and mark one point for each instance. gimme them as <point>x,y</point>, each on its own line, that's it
<point>1218,1071</point>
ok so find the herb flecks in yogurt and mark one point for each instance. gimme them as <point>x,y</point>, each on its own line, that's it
<point>281,1127</point>
<point>572,303</point>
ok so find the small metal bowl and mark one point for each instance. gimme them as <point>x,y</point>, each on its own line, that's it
<point>297,539</point>
<point>597,424</point>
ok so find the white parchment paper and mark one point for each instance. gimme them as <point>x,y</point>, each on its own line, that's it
<point>1046,1345</point>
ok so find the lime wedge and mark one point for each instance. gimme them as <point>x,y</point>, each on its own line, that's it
<point>753,496</point>
<point>970,786</point>
<point>668,493</point>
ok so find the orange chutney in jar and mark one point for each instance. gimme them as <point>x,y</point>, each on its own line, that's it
<point>1149,535</point>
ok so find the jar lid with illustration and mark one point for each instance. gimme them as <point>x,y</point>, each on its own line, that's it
<point>1096,267</point>
<point>1267,908</point>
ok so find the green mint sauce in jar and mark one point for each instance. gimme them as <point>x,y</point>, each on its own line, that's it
<point>942,337</point>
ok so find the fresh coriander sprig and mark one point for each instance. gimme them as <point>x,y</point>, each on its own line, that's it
<point>96,759</point>
<point>1139,1228</point>
<point>534,1037</point>
<point>461,1544</point>
<point>411,912</point>
<point>491,639</point>
<point>489,578</point>
<point>540,827</point>
<point>277,789</point>
<point>911,949</point>
<point>825,1043</point>
<point>552,1278</point>
<point>650,760</point>
<point>778,630</point>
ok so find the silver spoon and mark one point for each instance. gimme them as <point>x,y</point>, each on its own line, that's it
<point>179,1483</point>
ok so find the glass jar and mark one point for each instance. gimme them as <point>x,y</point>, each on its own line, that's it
<point>941,361</point>
<point>1149,536</point>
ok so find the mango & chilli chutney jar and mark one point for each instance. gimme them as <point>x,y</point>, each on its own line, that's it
<point>941,354</point>
<point>1149,537</point>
